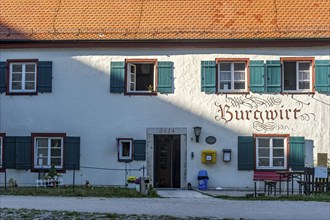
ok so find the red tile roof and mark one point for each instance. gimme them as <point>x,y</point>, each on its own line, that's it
<point>163,19</point>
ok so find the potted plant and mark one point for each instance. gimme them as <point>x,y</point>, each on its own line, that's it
<point>52,176</point>
<point>137,184</point>
<point>131,182</point>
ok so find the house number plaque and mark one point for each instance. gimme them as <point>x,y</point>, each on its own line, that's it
<point>166,131</point>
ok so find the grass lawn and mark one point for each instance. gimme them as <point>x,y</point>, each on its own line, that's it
<point>13,214</point>
<point>106,191</point>
<point>317,197</point>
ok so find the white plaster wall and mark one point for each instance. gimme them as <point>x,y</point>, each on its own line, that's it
<point>81,105</point>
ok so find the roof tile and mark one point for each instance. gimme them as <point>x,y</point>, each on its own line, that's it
<point>163,19</point>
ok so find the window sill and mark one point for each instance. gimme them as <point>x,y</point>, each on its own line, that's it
<point>46,169</point>
<point>233,93</point>
<point>297,93</point>
<point>271,169</point>
<point>125,160</point>
<point>21,93</point>
<point>141,93</point>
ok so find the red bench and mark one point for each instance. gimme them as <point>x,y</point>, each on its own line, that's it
<point>270,179</point>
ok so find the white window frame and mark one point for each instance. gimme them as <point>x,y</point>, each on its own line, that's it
<point>271,148</point>
<point>297,76</point>
<point>120,149</point>
<point>232,78</point>
<point>1,151</point>
<point>132,75</point>
<point>49,156</point>
<point>23,81</point>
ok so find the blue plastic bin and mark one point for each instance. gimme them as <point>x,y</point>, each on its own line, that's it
<point>202,180</point>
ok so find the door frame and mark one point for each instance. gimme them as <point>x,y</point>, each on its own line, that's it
<point>183,145</point>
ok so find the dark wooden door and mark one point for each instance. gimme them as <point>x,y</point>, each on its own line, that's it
<point>167,161</point>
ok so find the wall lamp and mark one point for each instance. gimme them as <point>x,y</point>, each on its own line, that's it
<point>197,131</point>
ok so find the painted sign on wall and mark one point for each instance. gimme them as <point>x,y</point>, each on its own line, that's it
<point>266,113</point>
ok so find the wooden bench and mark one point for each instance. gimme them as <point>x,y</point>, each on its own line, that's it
<point>270,179</point>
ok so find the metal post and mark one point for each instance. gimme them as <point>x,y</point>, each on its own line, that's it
<point>126,173</point>
<point>5,178</point>
<point>143,170</point>
<point>73,179</point>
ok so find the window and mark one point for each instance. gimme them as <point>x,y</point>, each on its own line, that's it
<point>232,75</point>
<point>297,74</point>
<point>141,76</point>
<point>271,153</point>
<point>22,77</point>
<point>48,151</point>
<point>125,149</point>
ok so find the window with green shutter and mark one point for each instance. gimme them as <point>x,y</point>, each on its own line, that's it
<point>26,77</point>
<point>141,77</point>
<point>297,153</point>
<point>45,76</point>
<point>257,76</point>
<point>3,77</point>
<point>208,76</point>
<point>17,152</point>
<point>322,75</point>
<point>1,151</point>
<point>165,77</point>
<point>23,152</point>
<point>245,153</point>
<point>9,152</point>
<point>139,147</point>
<point>273,76</point>
<point>72,153</point>
<point>117,77</point>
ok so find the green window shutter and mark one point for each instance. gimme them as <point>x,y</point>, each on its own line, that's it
<point>45,76</point>
<point>322,75</point>
<point>3,76</point>
<point>165,77</point>
<point>257,72</point>
<point>9,152</point>
<point>23,152</point>
<point>72,153</point>
<point>117,77</point>
<point>273,80</point>
<point>297,153</point>
<point>139,149</point>
<point>208,71</point>
<point>245,153</point>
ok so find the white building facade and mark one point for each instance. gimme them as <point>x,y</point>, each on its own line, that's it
<point>102,113</point>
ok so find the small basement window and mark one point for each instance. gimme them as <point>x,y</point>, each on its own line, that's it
<point>125,149</point>
<point>141,76</point>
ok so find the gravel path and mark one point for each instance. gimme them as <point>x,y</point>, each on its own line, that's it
<point>181,207</point>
